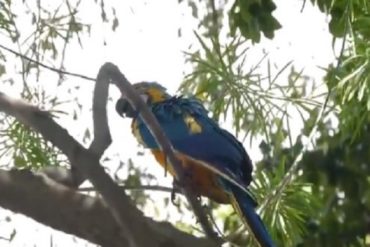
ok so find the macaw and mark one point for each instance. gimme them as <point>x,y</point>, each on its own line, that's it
<point>215,163</point>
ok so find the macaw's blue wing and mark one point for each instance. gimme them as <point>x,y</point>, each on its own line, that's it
<point>205,141</point>
<point>215,151</point>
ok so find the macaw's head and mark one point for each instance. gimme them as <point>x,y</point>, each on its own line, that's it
<point>150,92</point>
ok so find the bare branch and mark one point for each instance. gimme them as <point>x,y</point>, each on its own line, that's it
<point>109,70</point>
<point>62,208</point>
<point>102,137</point>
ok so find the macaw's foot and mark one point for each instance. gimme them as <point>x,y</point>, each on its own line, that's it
<point>175,189</point>
<point>187,182</point>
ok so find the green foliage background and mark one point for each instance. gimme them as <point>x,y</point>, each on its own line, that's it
<point>311,193</point>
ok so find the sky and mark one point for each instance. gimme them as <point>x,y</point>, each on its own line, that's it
<point>146,46</point>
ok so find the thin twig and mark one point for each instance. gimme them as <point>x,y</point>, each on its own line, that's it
<point>138,187</point>
<point>46,66</point>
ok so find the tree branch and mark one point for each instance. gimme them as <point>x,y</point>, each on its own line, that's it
<point>62,208</point>
<point>102,138</point>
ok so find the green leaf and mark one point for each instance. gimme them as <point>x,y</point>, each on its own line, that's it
<point>252,18</point>
<point>2,69</point>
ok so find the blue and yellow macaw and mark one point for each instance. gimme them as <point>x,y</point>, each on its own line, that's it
<point>214,161</point>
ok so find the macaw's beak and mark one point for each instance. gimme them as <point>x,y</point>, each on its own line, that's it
<point>124,109</point>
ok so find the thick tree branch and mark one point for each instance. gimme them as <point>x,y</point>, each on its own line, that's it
<point>102,138</point>
<point>62,208</point>
<point>131,224</point>
<point>111,71</point>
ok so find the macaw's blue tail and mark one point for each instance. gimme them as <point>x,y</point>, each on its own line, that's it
<point>245,205</point>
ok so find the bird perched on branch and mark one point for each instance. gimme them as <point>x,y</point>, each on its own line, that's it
<point>215,163</point>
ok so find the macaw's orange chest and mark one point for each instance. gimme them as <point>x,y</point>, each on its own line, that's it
<point>202,181</point>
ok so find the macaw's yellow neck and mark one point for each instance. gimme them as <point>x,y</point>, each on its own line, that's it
<point>157,95</point>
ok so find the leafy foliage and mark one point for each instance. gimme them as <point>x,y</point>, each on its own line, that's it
<point>349,79</point>
<point>252,18</point>
<point>346,14</point>
<point>259,103</point>
<point>288,210</point>
<point>6,19</point>
<point>27,148</point>
<point>135,178</point>
<point>339,170</point>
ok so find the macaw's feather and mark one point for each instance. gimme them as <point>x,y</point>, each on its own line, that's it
<point>215,163</point>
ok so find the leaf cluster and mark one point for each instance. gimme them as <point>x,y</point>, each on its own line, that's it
<point>253,18</point>
<point>348,80</point>
<point>27,148</point>
<point>338,170</point>
<point>258,103</point>
<point>250,18</point>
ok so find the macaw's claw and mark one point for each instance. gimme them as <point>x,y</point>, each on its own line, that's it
<point>175,189</point>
